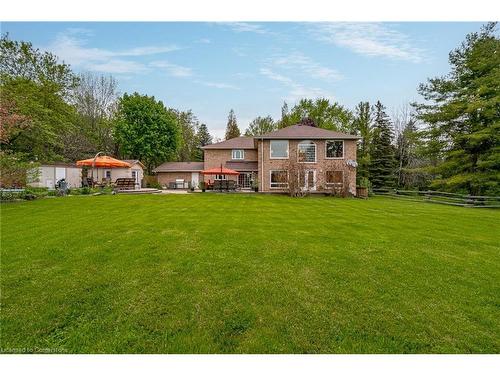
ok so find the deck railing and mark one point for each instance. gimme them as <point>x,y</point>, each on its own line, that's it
<point>441,197</point>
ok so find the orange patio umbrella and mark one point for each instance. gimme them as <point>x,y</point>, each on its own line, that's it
<point>220,170</point>
<point>103,162</point>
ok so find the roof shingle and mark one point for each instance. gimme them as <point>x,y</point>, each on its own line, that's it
<point>306,132</point>
<point>233,143</point>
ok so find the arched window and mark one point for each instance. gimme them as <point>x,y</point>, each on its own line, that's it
<point>307,152</point>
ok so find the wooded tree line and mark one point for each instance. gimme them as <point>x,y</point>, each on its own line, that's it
<point>49,113</point>
<point>450,141</point>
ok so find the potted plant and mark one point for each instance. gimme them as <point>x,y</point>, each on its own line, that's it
<point>201,185</point>
<point>362,188</point>
<point>255,185</point>
<point>191,186</point>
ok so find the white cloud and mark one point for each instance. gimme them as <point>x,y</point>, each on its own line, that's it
<point>297,90</point>
<point>173,69</point>
<point>246,27</point>
<point>369,39</point>
<point>204,41</point>
<point>74,51</point>
<point>218,85</point>
<point>306,65</point>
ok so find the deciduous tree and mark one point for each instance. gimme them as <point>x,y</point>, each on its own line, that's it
<point>146,130</point>
<point>260,125</point>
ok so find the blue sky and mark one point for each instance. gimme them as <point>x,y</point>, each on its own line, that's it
<point>253,67</point>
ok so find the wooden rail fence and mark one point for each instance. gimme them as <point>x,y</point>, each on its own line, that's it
<point>441,197</point>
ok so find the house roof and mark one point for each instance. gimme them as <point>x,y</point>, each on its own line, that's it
<point>134,161</point>
<point>233,143</point>
<point>306,132</point>
<point>242,165</point>
<point>180,166</point>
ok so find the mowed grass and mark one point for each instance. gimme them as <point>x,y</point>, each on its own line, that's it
<point>211,273</point>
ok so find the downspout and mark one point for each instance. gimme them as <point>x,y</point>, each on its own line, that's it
<point>262,165</point>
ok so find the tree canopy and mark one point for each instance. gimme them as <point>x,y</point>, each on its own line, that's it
<point>146,130</point>
<point>260,125</point>
<point>462,110</point>
<point>326,115</point>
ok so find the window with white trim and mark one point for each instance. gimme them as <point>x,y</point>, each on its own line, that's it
<point>238,155</point>
<point>278,179</point>
<point>335,149</point>
<point>334,178</point>
<point>306,152</point>
<point>279,149</point>
<point>219,177</point>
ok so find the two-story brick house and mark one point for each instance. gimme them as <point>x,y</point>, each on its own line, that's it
<point>326,158</point>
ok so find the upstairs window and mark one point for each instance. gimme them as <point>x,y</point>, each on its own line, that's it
<point>335,149</point>
<point>307,152</point>
<point>279,150</point>
<point>238,155</point>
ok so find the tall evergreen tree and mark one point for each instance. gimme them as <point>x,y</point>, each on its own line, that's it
<point>363,127</point>
<point>462,110</point>
<point>188,124</point>
<point>382,161</point>
<point>232,130</point>
<point>204,137</point>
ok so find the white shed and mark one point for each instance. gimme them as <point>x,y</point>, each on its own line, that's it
<point>136,171</point>
<point>49,174</point>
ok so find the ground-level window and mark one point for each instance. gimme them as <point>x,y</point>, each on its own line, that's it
<point>279,149</point>
<point>107,174</point>
<point>335,149</point>
<point>307,152</point>
<point>219,177</point>
<point>238,154</point>
<point>335,179</point>
<point>279,179</point>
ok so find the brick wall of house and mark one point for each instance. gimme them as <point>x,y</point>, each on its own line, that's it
<point>321,166</point>
<point>214,159</point>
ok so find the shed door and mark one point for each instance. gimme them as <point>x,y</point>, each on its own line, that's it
<point>60,173</point>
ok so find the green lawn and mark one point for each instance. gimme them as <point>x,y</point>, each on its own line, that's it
<point>210,273</point>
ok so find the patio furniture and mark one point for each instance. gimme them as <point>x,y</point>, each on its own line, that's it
<point>220,184</point>
<point>179,183</point>
<point>125,184</point>
<point>87,182</point>
<point>172,185</point>
<point>231,185</point>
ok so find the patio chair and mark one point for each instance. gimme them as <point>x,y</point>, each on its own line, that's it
<point>217,185</point>
<point>172,185</point>
<point>231,185</point>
